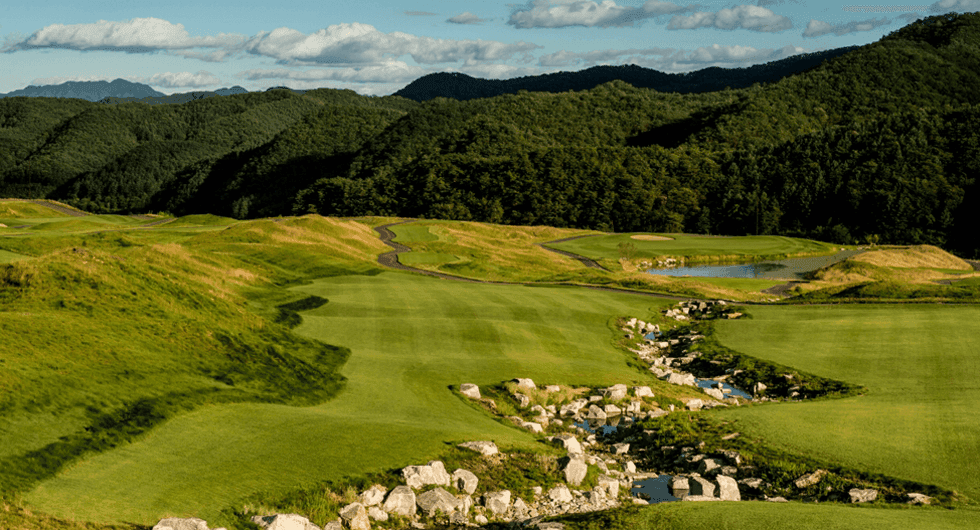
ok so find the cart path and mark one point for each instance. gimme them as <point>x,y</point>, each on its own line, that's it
<point>588,262</point>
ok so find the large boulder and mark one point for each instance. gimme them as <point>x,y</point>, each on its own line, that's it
<point>524,383</point>
<point>374,495</point>
<point>694,404</point>
<point>560,493</point>
<point>701,486</point>
<point>575,470</point>
<point>401,501</point>
<point>679,486</point>
<point>715,393</point>
<point>533,426</point>
<point>174,523</point>
<point>470,390</point>
<point>288,521</point>
<point>610,485</point>
<point>355,516</point>
<point>498,502</point>
<point>708,466</point>
<point>642,391</point>
<point>377,514</point>
<point>569,442</point>
<point>728,489</point>
<point>433,473</point>
<point>435,501</point>
<point>700,498</point>
<point>596,413</point>
<point>612,410</point>
<point>860,495</point>
<point>571,409</point>
<point>483,447</point>
<point>465,481</point>
<point>682,379</point>
<point>615,392</point>
<point>621,449</point>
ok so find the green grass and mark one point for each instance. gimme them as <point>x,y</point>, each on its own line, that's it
<point>413,233</point>
<point>426,258</point>
<point>919,363</point>
<point>741,284</point>
<point>17,209</point>
<point>696,248</point>
<point>772,516</point>
<point>9,257</point>
<point>411,337</point>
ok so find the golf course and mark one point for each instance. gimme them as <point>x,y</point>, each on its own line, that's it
<point>206,367</point>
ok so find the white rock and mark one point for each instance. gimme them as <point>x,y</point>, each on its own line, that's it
<point>552,388</point>
<point>715,393</point>
<point>465,481</point>
<point>615,392</point>
<point>288,521</point>
<point>526,383</point>
<point>400,501</point>
<point>560,493</point>
<point>374,495</point>
<point>498,502</point>
<point>728,489</point>
<point>377,514</point>
<point>533,427</point>
<point>575,471</point>
<point>356,516</point>
<point>174,523</point>
<point>483,447</point>
<point>435,501</point>
<point>642,391</point>
<point>470,390</point>
<point>569,442</point>
<point>621,449</point>
<point>432,473</point>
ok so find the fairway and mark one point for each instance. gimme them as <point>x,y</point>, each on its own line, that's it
<point>703,247</point>
<point>411,338</point>
<point>921,365</point>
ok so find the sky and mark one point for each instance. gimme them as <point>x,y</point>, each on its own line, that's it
<point>376,47</point>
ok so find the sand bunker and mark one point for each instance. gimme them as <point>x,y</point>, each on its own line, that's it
<point>922,256</point>
<point>645,237</point>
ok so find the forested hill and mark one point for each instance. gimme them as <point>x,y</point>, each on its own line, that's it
<point>89,90</point>
<point>880,141</point>
<point>462,87</point>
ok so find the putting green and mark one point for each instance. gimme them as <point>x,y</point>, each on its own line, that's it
<point>607,246</point>
<point>411,337</point>
<point>918,420</point>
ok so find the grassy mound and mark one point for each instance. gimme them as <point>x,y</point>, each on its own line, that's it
<point>17,209</point>
<point>921,256</point>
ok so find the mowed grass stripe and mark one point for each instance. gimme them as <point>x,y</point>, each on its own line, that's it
<point>918,420</point>
<point>411,337</point>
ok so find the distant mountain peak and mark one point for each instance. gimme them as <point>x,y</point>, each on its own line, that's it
<point>89,90</point>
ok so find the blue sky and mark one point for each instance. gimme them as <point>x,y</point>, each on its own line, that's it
<point>376,47</point>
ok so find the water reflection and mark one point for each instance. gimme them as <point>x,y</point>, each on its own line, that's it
<point>653,490</point>
<point>786,269</point>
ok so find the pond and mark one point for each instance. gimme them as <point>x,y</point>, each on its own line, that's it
<point>653,490</point>
<point>786,269</point>
<point>607,426</point>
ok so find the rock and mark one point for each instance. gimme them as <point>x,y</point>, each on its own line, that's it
<point>615,392</point>
<point>498,502</point>
<point>682,379</point>
<point>708,465</point>
<point>642,391</point>
<point>355,516</point>
<point>464,503</point>
<point>435,501</point>
<point>549,526</point>
<point>575,471</point>
<point>560,493</point>
<point>377,514</point>
<point>919,498</point>
<point>776,499</point>
<point>728,489</point>
<point>374,495</point>
<point>679,485</point>
<point>699,498</point>
<point>289,521</point>
<point>595,413</point>
<point>533,427</point>
<point>336,524</point>
<point>754,483</point>
<point>694,404</point>
<point>759,388</point>
<point>701,486</point>
<point>572,408</point>
<point>609,485</point>
<point>174,523</point>
<point>401,501</point>
<point>612,410</point>
<point>522,400</point>
<point>552,388</point>
<point>465,481</point>
<point>630,467</point>
<point>715,393</point>
<point>569,442</point>
<point>525,383</point>
<point>470,390</point>
<point>458,519</point>
<point>733,457</point>
<point>728,471</point>
<point>810,479</point>
<point>621,449</point>
<point>481,519</point>
<point>434,473</point>
<point>483,447</point>
<point>860,495</point>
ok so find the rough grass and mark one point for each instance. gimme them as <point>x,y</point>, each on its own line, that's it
<point>698,248</point>
<point>921,256</point>
<point>15,209</point>
<point>919,363</point>
<point>412,338</point>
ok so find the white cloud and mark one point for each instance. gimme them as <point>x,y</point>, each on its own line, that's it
<point>720,56</point>
<point>467,18</point>
<point>817,28</point>
<point>748,17</point>
<point>57,80</point>
<point>182,79</point>
<point>586,59</point>
<point>139,35</point>
<point>564,13</point>
<point>945,6</point>
<point>391,72</point>
<point>361,44</point>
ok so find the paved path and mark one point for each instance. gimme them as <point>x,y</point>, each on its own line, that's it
<point>60,208</point>
<point>588,262</point>
<point>974,263</point>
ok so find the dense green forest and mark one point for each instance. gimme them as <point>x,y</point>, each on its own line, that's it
<point>880,141</point>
